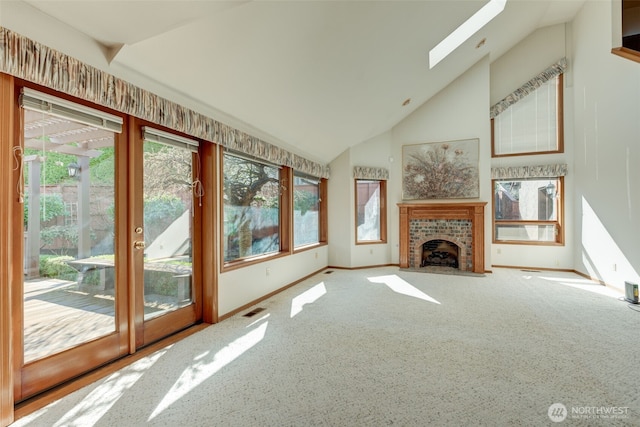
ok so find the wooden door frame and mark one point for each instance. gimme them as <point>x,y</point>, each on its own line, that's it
<point>7,141</point>
<point>208,259</point>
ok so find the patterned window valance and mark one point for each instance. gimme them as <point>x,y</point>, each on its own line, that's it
<point>533,84</point>
<point>522,172</point>
<point>32,61</point>
<point>364,172</point>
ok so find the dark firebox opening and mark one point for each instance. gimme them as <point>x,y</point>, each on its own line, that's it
<point>439,253</point>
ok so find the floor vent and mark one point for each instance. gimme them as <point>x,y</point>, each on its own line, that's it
<point>254,312</point>
<point>531,271</point>
<point>328,272</point>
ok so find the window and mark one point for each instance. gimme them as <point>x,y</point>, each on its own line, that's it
<point>306,210</point>
<point>251,210</point>
<point>528,211</point>
<point>630,34</point>
<point>371,211</point>
<point>630,25</point>
<point>533,125</point>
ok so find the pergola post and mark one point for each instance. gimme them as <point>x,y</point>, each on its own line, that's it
<point>32,244</point>
<point>84,216</point>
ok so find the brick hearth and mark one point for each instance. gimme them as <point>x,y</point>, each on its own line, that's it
<point>459,223</point>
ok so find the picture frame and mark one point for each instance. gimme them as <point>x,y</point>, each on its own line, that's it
<point>441,170</point>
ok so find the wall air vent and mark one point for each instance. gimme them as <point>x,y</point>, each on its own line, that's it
<point>254,312</point>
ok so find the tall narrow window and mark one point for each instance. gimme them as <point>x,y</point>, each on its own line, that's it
<point>631,25</point>
<point>528,211</point>
<point>371,217</point>
<point>251,208</point>
<point>306,212</point>
<point>533,125</point>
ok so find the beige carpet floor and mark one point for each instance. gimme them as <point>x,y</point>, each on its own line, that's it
<point>381,347</point>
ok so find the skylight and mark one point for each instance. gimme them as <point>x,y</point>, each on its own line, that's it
<point>466,30</point>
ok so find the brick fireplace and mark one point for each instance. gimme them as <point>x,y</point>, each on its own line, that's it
<point>429,227</point>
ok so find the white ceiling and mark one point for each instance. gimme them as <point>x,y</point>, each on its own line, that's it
<point>314,76</point>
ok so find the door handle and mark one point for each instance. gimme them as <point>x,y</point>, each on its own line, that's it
<point>139,244</point>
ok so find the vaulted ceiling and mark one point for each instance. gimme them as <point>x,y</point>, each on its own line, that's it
<point>312,76</point>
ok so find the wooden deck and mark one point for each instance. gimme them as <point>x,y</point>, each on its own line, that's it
<point>59,315</point>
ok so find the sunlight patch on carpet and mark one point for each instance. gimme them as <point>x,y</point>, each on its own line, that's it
<point>202,370</point>
<point>401,286</point>
<point>93,407</point>
<point>585,285</point>
<point>307,297</point>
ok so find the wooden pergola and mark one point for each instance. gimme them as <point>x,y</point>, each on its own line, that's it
<point>48,133</point>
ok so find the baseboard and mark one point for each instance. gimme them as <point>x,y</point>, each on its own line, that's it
<point>566,270</point>
<point>586,276</point>
<point>363,267</point>
<point>522,267</point>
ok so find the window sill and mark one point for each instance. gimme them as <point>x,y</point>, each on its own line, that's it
<point>372,242</point>
<point>245,262</point>
<point>626,53</point>
<point>310,246</point>
<point>529,153</point>
<point>526,243</point>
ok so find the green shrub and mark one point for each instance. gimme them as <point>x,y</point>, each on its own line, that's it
<point>51,206</point>
<point>57,267</point>
<point>67,233</point>
<point>160,283</point>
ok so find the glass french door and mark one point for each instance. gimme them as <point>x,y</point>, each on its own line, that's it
<point>72,291</point>
<point>166,224</point>
<point>111,220</point>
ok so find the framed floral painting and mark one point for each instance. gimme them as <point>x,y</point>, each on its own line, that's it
<point>440,170</point>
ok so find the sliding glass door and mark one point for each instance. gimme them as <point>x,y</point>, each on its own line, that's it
<point>73,303</point>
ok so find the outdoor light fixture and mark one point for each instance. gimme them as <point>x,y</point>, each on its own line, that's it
<point>74,170</point>
<point>465,31</point>
<point>551,189</point>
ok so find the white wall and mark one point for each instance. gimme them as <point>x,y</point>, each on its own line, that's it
<point>340,211</point>
<point>242,286</point>
<point>527,59</point>
<point>460,111</point>
<point>343,251</point>
<point>607,151</point>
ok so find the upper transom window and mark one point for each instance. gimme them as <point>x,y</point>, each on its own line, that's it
<point>533,125</point>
